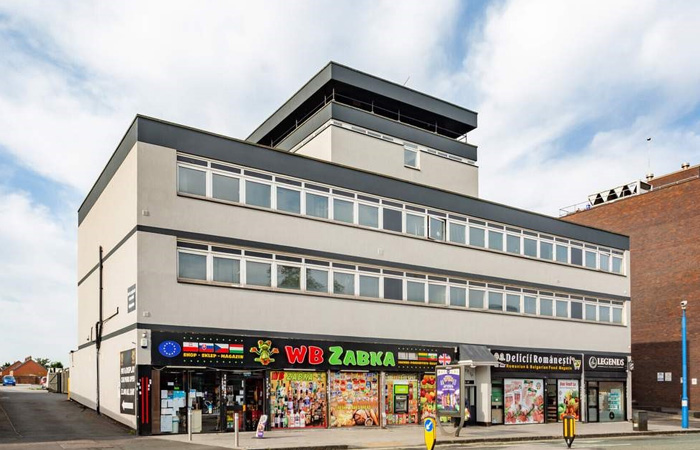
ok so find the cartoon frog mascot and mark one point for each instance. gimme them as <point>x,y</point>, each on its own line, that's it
<point>264,350</point>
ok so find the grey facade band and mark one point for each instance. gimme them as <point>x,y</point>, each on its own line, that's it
<point>209,145</point>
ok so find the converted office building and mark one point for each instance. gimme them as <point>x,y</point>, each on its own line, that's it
<point>318,271</point>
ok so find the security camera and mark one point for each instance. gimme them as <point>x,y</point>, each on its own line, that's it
<point>684,303</point>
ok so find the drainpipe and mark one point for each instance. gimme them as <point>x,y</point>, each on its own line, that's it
<point>98,338</point>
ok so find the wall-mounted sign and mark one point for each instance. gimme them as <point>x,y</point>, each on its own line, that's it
<point>668,376</point>
<point>279,353</point>
<point>659,376</point>
<point>131,298</point>
<point>605,363</point>
<point>520,361</point>
<point>127,381</point>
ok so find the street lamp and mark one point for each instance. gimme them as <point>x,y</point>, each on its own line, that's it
<point>684,399</point>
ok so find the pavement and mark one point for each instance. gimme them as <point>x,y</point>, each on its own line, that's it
<point>31,418</point>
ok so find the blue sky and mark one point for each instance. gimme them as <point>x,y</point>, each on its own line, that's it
<point>567,93</point>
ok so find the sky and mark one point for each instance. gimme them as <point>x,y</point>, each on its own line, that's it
<point>567,95</point>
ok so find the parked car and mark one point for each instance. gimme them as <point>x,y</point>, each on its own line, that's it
<point>9,380</point>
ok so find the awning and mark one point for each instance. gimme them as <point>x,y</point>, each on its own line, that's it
<point>476,355</point>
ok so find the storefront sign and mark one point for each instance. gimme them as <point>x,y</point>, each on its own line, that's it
<point>127,381</point>
<point>517,361</point>
<point>448,391</point>
<point>255,353</point>
<point>605,363</point>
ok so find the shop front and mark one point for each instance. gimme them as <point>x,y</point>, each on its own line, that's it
<point>606,387</point>
<point>534,387</point>
<point>297,383</point>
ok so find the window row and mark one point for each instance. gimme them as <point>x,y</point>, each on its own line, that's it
<point>231,184</point>
<point>252,268</point>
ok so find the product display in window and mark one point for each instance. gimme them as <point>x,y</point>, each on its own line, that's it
<point>354,399</point>
<point>401,399</point>
<point>297,399</point>
<point>524,401</point>
<point>427,397</point>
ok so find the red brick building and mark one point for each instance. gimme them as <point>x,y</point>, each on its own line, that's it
<point>27,372</point>
<point>664,228</point>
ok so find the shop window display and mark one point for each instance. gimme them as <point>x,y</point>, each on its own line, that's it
<point>401,399</point>
<point>427,397</point>
<point>611,401</point>
<point>297,399</point>
<point>568,399</point>
<point>354,399</point>
<point>524,401</point>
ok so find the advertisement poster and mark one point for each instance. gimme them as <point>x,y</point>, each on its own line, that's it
<point>354,399</point>
<point>568,399</point>
<point>524,401</point>
<point>401,399</point>
<point>427,397</point>
<point>297,399</point>
<point>448,392</point>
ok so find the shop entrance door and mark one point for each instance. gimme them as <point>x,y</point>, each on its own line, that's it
<point>592,404</point>
<point>552,407</point>
<point>470,393</point>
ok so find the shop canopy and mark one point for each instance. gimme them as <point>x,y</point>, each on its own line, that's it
<point>476,355</point>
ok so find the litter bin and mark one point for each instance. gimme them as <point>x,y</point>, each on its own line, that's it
<point>640,421</point>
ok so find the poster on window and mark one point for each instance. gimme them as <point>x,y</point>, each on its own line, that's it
<point>524,401</point>
<point>297,399</point>
<point>354,399</point>
<point>448,392</point>
<point>568,398</point>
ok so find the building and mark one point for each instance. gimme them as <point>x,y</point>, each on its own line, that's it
<point>25,372</point>
<point>318,271</point>
<point>661,217</point>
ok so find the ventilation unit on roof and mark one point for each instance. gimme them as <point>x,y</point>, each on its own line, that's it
<point>608,196</point>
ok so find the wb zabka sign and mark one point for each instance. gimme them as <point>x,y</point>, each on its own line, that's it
<point>519,361</point>
<point>177,349</point>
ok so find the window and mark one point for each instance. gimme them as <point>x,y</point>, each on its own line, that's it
<point>457,233</point>
<point>369,286</point>
<point>343,210</point>
<point>513,303</point>
<point>546,307</point>
<point>530,247</point>
<point>512,244</point>
<point>415,224</point>
<point>392,220</point>
<point>288,277</point>
<point>591,310</point>
<point>562,308</point>
<point>410,157</point>
<point>591,260</point>
<point>617,264</point>
<point>343,283</point>
<point>530,305</point>
<point>227,270</point>
<point>316,205</point>
<point>576,310</point>
<point>289,200</point>
<point>368,215</point>
<point>437,294</point>
<point>257,194</point>
<point>476,299</point>
<point>224,188</point>
<point>437,229</point>
<point>458,296</point>
<point>546,250</point>
<point>258,274</point>
<point>191,181</point>
<point>605,262</point>
<point>415,291</point>
<point>562,253</point>
<point>604,312</point>
<point>576,256</point>
<point>477,237</point>
<point>317,280</point>
<point>393,289</point>
<point>495,240</point>
<point>496,301</point>
<point>617,315</point>
<point>191,266</point>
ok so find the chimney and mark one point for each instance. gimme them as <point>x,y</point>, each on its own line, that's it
<point>650,176</point>
<point>685,165</point>
<point>28,358</point>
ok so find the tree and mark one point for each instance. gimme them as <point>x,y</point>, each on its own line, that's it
<point>56,365</point>
<point>43,361</point>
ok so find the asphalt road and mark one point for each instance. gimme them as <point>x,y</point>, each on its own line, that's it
<point>31,418</point>
<point>675,442</point>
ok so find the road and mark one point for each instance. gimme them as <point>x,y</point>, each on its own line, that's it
<point>675,442</point>
<point>31,418</point>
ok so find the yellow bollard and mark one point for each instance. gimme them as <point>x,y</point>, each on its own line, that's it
<point>569,430</point>
<point>429,433</point>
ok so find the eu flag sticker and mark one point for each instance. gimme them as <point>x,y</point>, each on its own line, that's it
<point>169,349</point>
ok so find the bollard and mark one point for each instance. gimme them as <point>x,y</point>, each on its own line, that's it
<point>569,430</point>
<point>235,430</point>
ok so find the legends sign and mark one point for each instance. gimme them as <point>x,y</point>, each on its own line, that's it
<point>279,353</point>
<point>127,381</point>
<point>605,363</point>
<point>517,361</point>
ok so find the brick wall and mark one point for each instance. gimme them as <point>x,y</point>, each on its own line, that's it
<point>664,230</point>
